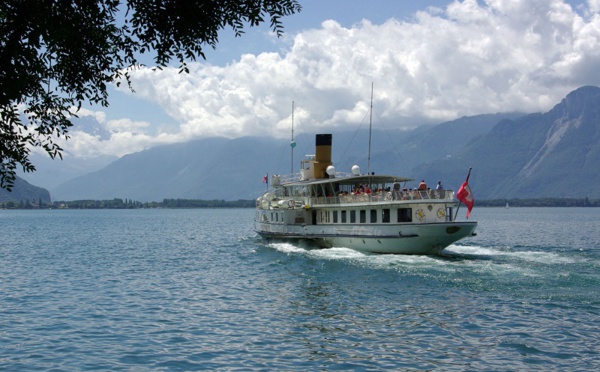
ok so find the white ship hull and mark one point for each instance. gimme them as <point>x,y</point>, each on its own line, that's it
<point>426,239</point>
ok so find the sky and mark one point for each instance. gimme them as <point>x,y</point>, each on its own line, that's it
<point>426,62</point>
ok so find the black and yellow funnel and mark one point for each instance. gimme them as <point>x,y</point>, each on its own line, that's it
<point>322,155</point>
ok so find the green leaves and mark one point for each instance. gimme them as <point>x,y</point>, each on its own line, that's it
<point>14,138</point>
<point>58,54</point>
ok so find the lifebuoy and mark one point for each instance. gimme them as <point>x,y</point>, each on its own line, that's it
<point>420,214</point>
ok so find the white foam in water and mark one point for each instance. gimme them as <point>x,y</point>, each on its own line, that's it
<point>486,263</point>
<point>337,253</point>
<point>531,256</point>
<point>347,254</point>
<point>286,248</point>
<point>328,253</point>
<point>378,261</point>
<point>471,250</point>
<point>545,257</point>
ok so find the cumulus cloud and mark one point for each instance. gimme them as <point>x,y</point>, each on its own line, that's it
<point>468,58</point>
<point>99,116</point>
<point>113,138</point>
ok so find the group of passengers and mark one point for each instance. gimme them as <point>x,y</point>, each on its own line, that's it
<point>396,193</point>
<point>416,193</point>
<point>362,189</point>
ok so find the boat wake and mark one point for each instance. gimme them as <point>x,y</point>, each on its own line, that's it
<point>309,250</point>
<point>487,253</point>
<point>352,256</point>
<point>454,260</point>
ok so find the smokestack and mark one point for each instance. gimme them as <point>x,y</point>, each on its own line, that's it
<point>322,155</point>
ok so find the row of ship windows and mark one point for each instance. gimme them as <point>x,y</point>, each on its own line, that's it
<point>354,216</point>
<point>360,216</point>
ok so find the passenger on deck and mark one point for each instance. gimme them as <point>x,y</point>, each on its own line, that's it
<point>422,185</point>
<point>387,193</point>
<point>439,186</point>
<point>396,190</point>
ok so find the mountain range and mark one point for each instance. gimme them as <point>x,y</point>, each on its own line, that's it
<point>552,154</point>
<point>24,191</point>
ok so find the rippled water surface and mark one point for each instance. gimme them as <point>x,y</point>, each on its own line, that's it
<point>196,289</point>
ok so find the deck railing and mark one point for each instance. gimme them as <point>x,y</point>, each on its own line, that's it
<point>298,202</point>
<point>383,197</point>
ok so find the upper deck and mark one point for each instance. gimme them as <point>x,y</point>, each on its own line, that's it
<point>343,189</point>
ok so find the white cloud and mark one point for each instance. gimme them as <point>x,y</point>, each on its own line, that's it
<point>100,116</point>
<point>126,125</point>
<point>112,138</point>
<point>594,6</point>
<point>469,58</point>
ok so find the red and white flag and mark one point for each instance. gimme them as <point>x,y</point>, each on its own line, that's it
<point>465,195</point>
<point>265,178</point>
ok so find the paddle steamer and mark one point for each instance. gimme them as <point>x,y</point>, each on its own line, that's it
<point>366,212</point>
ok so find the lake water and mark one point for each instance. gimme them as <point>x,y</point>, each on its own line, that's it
<point>196,289</point>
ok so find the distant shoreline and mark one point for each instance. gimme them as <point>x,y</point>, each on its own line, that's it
<point>196,203</point>
<point>540,202</point>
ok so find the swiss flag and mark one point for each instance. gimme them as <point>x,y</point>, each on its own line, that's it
<point>465,195</point>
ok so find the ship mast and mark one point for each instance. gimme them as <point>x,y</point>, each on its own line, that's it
<point>292,143</point>
<point>370,125</point>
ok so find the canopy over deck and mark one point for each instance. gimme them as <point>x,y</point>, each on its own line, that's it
<point>350,180</point>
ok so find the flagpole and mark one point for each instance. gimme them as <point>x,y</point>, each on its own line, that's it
<point>370,125</point>
<point>292,143</point>
<point>456,214</point>
<point>267,182</point>
<point>459,203</point>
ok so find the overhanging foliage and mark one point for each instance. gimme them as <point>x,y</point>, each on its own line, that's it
<point>56,55</point>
